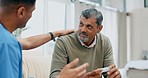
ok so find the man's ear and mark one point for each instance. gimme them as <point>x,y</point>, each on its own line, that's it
<point>99,28</point>
<point>21,12</point>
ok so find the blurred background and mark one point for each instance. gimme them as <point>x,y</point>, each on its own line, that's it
<point>125,23</point>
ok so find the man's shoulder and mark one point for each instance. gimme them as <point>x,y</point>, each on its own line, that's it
<point>67,37</point>
<point>102,36</point>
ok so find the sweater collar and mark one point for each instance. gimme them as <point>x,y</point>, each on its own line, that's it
<point>90,46</point>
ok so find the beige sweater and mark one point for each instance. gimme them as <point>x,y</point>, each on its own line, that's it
<point>68,47</point>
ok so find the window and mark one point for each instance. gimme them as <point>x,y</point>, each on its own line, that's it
<point>55,20</point>
<point>58,16</point>
<point>50,15</point>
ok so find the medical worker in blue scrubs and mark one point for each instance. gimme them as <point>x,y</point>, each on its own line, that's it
<point>15,14</point>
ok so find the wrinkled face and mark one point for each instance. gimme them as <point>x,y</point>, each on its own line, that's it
<point>87,30</point>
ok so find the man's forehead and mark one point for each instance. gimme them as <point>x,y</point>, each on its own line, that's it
<point>83,19</point>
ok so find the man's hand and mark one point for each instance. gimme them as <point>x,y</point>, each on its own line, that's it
<point>113,72</point>
<point>69,71</point>
<point>93,74</point>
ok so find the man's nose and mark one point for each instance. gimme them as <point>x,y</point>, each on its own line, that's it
<point>83,29</point>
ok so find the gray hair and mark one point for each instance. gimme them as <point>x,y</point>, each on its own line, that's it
<point>88,13</point>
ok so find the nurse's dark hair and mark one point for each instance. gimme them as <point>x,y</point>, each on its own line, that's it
<point>92,12</point>
<point>9,3</point>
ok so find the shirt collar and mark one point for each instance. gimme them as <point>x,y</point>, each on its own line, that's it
<point>2,25</point>
<point>92,45</point>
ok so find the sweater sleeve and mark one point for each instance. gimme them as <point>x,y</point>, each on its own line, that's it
<point>59,58</point>
<point>108,56</point>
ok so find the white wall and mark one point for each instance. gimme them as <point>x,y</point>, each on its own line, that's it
<point>134,4</point>
<point>119,4</point>
<point>139,38</point>
<point>137,29</point>
<point>50,15</point>
<point>35,26</point>
<point>122,39</point>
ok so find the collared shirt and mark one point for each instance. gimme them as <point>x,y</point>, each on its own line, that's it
<point>90,46</point>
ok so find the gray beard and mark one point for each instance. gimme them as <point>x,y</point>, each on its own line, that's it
<point>83,39</point>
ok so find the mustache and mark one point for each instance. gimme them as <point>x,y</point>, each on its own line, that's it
<point>84,33</point>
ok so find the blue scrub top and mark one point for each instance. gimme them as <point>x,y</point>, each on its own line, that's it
<point>10,55</point>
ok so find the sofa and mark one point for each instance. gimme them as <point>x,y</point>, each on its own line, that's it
<point>135,69</point>
<point>36,66</point>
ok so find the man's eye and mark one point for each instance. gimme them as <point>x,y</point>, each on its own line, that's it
<point>80,24</point>
<point>89,26</point>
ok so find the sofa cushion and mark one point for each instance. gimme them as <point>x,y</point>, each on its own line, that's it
<point>36,66</point>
